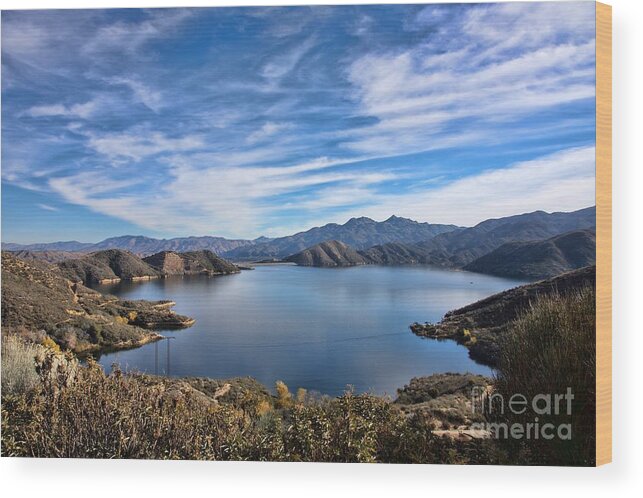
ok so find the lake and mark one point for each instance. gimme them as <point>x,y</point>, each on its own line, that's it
<point>317,328</point>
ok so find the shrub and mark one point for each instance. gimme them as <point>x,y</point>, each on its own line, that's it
<point>302,395</point>
<point>80,412</point>
<point>284,398</point>
<point>95,332</point>
<point>547,350</point>
<point>18,365</point>
<point>69,339</point>
<point>263,407</point>
<point>49,343</point>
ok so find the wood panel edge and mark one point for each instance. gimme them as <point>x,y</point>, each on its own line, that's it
<point>603,233</point>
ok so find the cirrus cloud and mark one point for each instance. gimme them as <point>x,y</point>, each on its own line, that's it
<point>240,122</point>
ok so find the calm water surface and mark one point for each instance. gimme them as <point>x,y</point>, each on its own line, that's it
<point>317,328</point>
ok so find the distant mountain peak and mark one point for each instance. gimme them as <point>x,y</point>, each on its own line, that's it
<point>361,219</point>
<point>399,219</point>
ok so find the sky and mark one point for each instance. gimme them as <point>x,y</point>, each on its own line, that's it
<point>242,122</point>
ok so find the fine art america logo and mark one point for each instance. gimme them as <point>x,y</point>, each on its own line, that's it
<point>542,416</point>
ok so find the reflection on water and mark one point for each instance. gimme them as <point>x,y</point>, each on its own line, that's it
<point>321,329</point>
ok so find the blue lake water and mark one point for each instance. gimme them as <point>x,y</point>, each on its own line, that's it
<point>317,328</point>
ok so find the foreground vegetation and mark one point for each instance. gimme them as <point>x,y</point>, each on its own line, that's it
<point>550,349</point>
<point>52,406</point>
<point>79,411</point>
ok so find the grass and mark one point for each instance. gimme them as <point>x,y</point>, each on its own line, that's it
<point>549,349</point>
<point>82,412</point>
<point>19,365</point>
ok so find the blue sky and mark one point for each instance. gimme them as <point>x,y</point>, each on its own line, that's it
<point>243,122</point>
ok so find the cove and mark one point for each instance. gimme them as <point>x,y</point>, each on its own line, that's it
<point>317,328</point>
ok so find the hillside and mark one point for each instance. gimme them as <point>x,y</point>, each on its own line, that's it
<point>458,248</point>
<point>480,325</point>
<point>48,256</point>
<point>539,259</point>
<point>328,253</point>
<point>114,264</point>
<point>194,262</point>
<point>105,266</point>
<point>38,300</point>
<point>396,253</point>
<point>359,233</point>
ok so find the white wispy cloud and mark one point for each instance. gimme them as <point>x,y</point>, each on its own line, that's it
<point>237,201</point>
<point>266,131</point>
<point>234,200</point>
<point>130,37</point>
<point>563,181</point>
<point>82,111</point>
<point>151,98</point>
<point>270,126</point>
<point>135,146</point>
<point>489,75</point>
<point>47,207</point>
<point>44,39</point>
<point>282,64</point>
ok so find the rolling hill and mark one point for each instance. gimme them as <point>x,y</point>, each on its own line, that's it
<point>193,262</point>
<point>486,320</point>
<point>360,233</point>
<point>68,246</point>
<point>539,259</point>
<point>105,266</point>
<point>329,253</point>
<point>115,264</point>
<point>49,256</point>
<point>395,241</point>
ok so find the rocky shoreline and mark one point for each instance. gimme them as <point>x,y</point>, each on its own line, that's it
<point>480,325</point>
<point>40,304</point>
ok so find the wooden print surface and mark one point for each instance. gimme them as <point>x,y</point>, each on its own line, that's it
<point>359,234</point>
<point>603,233</point>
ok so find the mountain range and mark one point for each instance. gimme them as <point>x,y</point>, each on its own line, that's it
<point>360,233</point>
<point>531,245</point>
<point>458,248</point>
<point>138,244</point>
